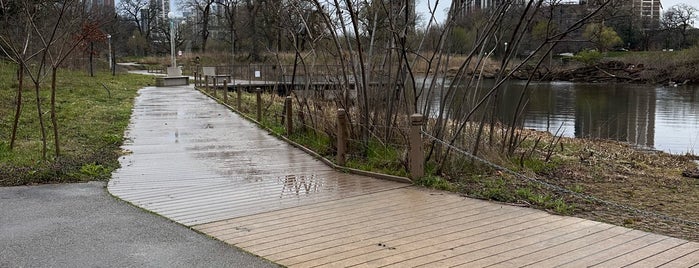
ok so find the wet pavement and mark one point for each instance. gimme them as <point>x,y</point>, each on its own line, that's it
<point>197,163</point>
<point>80,225</point>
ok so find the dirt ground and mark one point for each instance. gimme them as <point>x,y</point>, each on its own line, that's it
<point>649,186</point>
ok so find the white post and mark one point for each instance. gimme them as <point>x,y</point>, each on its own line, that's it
<point>109,42</point>
<point>172,38</point>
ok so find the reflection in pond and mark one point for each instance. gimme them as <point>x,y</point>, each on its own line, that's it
<point>663,118</point>
<point>300,184</point>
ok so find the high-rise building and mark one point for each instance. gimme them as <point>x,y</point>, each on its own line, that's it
<point>100,4</point>
<point>464,7</point>
<point>648,10</point>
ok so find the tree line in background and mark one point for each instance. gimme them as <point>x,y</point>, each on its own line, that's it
<point>250,28</point>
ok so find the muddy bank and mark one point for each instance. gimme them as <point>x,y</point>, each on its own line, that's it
<point>620,72</point>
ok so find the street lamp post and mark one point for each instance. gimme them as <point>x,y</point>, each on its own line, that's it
<point>174,74</point>
<point>172,39</point>
<point>109,43</point>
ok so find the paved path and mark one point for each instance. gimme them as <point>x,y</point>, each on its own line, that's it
<point>80,225</point>
<point>199,164</point>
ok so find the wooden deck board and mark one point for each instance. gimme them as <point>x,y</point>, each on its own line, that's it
<point>640,254</point>
<point>366,242</point>
<point>197,163</point>
<point>466,253</point>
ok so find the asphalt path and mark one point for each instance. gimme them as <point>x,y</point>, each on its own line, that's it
<point>81,225</point>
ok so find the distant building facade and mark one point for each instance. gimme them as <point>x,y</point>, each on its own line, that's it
<point>465,7</point>
<point>649,11</point>
<point>104,9</point>
<point>100,4</point>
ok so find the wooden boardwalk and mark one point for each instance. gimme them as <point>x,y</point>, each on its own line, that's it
<point>199,164</point>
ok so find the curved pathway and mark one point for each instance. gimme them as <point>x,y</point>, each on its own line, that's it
<point>194,161</point>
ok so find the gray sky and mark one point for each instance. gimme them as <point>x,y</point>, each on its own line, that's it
<point>669,3</point>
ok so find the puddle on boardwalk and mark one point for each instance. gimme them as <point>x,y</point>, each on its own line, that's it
<point>299,185</point>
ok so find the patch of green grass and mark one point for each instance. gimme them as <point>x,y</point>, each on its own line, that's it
<point>560,206</point>
<point>4,150</point>
<point>91,124</point>
<point>377,157</point>
<point>538,166</point>
<point>95,171</point>
<point>524,193</point>
<point>318,142</point>
<point>435,182</point>
<point>546,201</point>
<point>496,189</point>
<point>577,188</point>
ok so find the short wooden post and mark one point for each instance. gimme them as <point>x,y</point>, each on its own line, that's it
<point>416,157</point>
<point>239,93</point>
<point>258,93</point>
<point>225,91</point>
<point>206,83</point>
<point>196,82</point>
<point>289,116</point>
<point>215,85</point>
<point>341,136</point>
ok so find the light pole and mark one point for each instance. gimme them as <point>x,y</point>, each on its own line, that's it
<point>109,43</point>
<point>170,16</point>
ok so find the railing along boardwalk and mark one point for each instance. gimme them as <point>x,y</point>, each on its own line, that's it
<point>192,160</point>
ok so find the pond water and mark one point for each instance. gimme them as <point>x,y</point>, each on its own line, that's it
<point>649,116</point>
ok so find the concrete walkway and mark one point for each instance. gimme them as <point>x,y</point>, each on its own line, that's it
<point>197,163</point>
<point>80,225</point>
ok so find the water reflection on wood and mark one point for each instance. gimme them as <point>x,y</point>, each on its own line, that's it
<point>662,118</point>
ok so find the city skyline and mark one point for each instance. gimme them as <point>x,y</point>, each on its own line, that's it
<point>441,11</point>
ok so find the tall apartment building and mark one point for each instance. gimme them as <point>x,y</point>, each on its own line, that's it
<point>464,7</point>
<point>100,4</point>
<point>648,10</point>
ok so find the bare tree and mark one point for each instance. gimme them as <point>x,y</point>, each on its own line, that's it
<point>48,33</point>
<point>143,14</point>
<point>396,69</point>
<point>230,16</point>
<point>203,10</point>
<point>679,18</point>
<point>16,37</point>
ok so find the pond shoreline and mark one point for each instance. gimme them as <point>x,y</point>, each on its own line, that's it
<point>622,72</point>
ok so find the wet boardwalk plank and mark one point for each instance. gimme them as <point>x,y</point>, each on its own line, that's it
<point>197,163</point>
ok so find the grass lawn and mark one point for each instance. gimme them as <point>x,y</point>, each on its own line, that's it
<point>91,123</point>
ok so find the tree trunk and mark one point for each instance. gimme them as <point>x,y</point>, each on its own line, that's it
<point>18,111</point>
<point>37,89</point>
<point>54,120</point>
<point>205,26</point>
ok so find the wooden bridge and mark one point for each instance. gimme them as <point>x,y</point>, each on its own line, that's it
<point>280,79</point>
<point>194,161</point>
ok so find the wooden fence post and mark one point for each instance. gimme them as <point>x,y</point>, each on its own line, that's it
<point>416,156</point>
<point>258,93</point>
<point>289,116</point>
<point>225,91</point>
<point>196,83</point>
<point>214,87</point>
<point>206,83</point>
<point>341,136</point>
<point>238,92</point>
